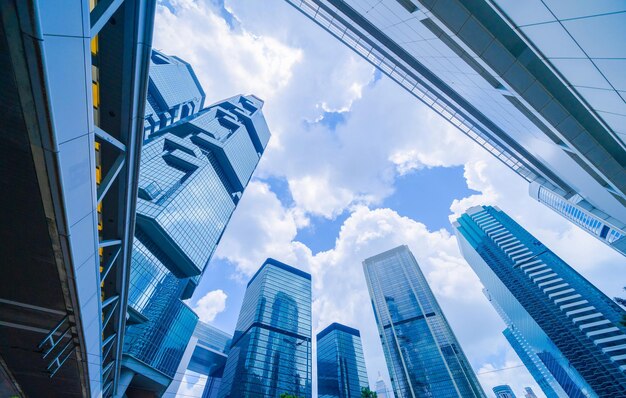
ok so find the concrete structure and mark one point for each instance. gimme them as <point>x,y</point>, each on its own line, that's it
<point>536,83</point>
<point>341,371</point>
<point>73,78</point>
<point>205,355</point>
<point>423,355</point>
<point>568,329</point>
<point>193,173</point>
<point>271,350</point>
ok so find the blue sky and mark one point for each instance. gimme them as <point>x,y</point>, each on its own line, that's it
<point>355,166</point>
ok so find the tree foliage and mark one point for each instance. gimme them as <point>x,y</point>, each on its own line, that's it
<point>367,393</point>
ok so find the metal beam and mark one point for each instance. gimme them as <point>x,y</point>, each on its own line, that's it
<point>111,175</point>
<point>102,13</point>
<point>108,138</point>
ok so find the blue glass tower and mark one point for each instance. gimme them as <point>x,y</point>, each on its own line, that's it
<point>341,371</point>
<point>271,350</point>
<point>205,355</point>
<point>174,92</point>
<point>423,355</point>
<point>559,320</point>
<point>192,175</point>
<point>503,391</point>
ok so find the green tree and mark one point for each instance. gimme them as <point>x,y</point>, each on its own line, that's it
<point>287,395</point>
<point>367,393</point>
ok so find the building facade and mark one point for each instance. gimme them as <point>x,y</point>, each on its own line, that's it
<point>174,92</point>
<point>533,364</point>
<point>204,356</point>
<point>73,77</point>
<point>341,371</point>
<point>529,393</point>
<point>423,355</point>
<point>381,387</point>
<point>193,173</point>
<point>271,349</point>
<point>528,83</point>
<point>564,323</point>
<point>503,391</point>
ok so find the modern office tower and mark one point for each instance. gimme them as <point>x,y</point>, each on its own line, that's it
<point>341,371</point>
<point>529,393</point>
<point>567,324</point>
<point>73,78</point>
<point>503,391</point>
<point>174,92</point>
<point>381,388</point>
<point>534,365</point>
<point>205,355</point>
<point>271,350</point>
<point>423,356</point>
<point>192,175</point>
<point>538,85</point>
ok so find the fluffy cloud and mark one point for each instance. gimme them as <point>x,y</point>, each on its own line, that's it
<point>227,60</point>
<point>210,305</point>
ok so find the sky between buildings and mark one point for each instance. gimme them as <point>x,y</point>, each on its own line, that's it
<point>355,167</point>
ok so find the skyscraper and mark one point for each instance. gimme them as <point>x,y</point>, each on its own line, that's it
<point>174,92</point>
<point>503,391</point>
<point>565,324</point>
<point>205,355</point>
<point>423,355</point>
<point>531,361</point>
<point>529,393</point>
<point>73,78</point>
<point>341,371</point>
<point>381,387</point>
<point>271,350</point>
<point>536,85</point>
<point>192,175</point>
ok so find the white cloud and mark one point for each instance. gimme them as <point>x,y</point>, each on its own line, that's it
<point>210,305</point>
<point>246,62</point>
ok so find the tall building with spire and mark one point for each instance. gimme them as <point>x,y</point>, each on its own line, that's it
<point>423,355</point>
<point>341,371</point>
<point>539,86</point>
<point>381,387</point>
<point>559,322</point>
<point>271,350</point>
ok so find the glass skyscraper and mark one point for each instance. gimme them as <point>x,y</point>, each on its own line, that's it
<point>192,174</point>
<point>503,391</point>
<point>423,355</point>
<point>341,371</point>
<point>205,355</point>
<point>536,83</point>
<point>271,350</point>
<point>567,330</point>
<point>174,92</point>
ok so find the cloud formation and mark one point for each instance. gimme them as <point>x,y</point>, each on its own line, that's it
<point>211,304</point>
